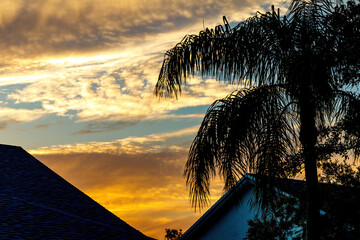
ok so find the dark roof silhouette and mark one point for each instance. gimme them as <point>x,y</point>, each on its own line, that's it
<point>36,203</point>
<point>341,202</point>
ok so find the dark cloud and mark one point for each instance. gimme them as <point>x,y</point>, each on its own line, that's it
<point>38,27</point>
<point>42,126</point>
<point>3,125</point>
<point>103,126</point>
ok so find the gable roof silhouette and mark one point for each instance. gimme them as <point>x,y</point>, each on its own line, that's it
<point>36,203</point>
<point>345,199</point>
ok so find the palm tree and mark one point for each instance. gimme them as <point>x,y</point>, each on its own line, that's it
<point>299,70</point>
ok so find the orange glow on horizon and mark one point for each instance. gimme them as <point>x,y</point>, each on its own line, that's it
<point>147,199</point>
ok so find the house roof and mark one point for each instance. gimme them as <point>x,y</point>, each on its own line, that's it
<point>227,199</point>
<point>35,202</point>
<point>330,195</point>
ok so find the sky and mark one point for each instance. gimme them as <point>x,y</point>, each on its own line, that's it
<point>76,91</point>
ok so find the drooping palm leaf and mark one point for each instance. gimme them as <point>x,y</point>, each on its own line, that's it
<point>248,51</point>
<point>249,131</point>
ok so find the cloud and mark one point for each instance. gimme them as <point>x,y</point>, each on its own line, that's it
<point>128,145</point>
<point>42,126</point>
<point>99,60</point>
<point>140,179</point>
<point>102,126</point>
<point>96,62</point>
<point>3,125</point>
<point>101,91</point>
<point>37,27</point>
<point>12,115</point>
<point>136,187</point>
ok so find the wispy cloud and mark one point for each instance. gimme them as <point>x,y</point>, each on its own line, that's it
<point>104,126</point>
<point>95,63</point>
<point>13,115</point>
<point>104,92</point>
<point>129,145</point>
<point>37,27</point>
<point>100,60</point>
<point>42,126</point>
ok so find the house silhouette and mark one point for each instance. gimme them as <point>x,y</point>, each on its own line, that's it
<point>36,203</point>
<point>228,218</point>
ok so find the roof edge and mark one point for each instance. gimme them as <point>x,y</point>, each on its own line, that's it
<point>246,179</point>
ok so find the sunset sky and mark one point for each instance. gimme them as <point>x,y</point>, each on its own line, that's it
<point>76,91</point>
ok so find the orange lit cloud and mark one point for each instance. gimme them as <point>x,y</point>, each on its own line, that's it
<point>145,190</point>
<point>96,62</point>
<point>129,145</point>
<point>99,60</point>
<point>124,94</point>
<point>11,115</point>
<point>140,181</point>
<point>40,27</point>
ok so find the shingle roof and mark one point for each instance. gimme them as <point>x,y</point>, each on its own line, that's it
<point>36,203</point>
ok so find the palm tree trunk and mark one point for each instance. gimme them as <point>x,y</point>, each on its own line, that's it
<point>308,138</point>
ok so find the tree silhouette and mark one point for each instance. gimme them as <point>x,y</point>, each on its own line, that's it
<point>285,222</point>
<point>299,106</point>
<point>339,221</point>
<point>172,234</point>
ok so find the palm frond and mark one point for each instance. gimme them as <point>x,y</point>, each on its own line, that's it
<point>351,126</point>
<point>254,50</point>
<point>343,28</point>
<point>249,131</point>
<point>297,110</point>
<point>341,133</point>
<point>251,50</point>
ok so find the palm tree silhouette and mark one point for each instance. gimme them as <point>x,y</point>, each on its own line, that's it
<point>300,71</point>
